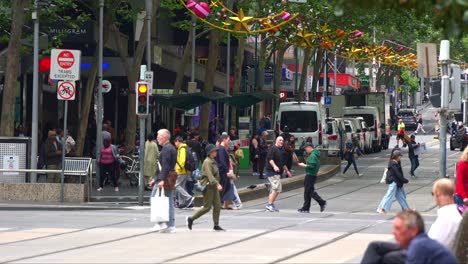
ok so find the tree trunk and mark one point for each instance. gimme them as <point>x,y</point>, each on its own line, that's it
<point>213,57</point>
<point>89,91</point>
<point>305,66</point>
<point>132,77</point>
<point>180,74</point>
<point>237,76</point>
<point>7,127</point>
<point>316,74</point>
<point>281,49</point>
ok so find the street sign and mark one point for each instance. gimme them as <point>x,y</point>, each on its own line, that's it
<point>149,79</point>
<point>65,64</point>
<point>106,86</point>
<point>66,90</point>
<point>427,60</point>
<point>327,100</point>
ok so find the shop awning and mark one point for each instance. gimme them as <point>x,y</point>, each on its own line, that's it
<point>189,101</point>
<point>248,99</point>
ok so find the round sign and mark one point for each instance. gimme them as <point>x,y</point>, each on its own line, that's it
<point>106,86</point>
<point>65,59</point>
<point>66,91</point>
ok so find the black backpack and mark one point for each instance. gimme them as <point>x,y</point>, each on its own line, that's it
<point>191,159</point>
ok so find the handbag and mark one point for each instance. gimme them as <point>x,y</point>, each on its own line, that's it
<point>200,187</point>
<point>384,176</point>
<point>159,207</point>
<point>170,181</point>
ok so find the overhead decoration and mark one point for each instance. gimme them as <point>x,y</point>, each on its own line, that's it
<point>217,15</point>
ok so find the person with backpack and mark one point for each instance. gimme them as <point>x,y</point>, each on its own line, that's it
<point>395,180</point>
<point>184,159</point>
<point>349,156</point>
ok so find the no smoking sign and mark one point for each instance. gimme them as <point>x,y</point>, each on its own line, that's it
<point>66,90</point>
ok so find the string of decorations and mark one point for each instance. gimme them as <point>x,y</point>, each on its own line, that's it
<point>218,15</point>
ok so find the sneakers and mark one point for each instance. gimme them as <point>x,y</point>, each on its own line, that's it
<point>158,227</point>
<point>271,208</point>
<point>190,202</point>
<point>381,211</point>
<point>218,228</point>
<point>116,189</point>
<point>99,189</point>
<point>322,206</point>
<point>360,175</point>
<point>169,230</point>
<point>300,210</point>
<point>189,222</point>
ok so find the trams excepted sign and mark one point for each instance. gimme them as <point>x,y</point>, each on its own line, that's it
<point>66,90</point>
<point>65,64</point>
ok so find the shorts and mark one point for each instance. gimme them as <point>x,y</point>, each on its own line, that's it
<point>400,136</point>
<point>275,183</point>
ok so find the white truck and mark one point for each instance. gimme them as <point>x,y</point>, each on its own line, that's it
<point>371,107</point>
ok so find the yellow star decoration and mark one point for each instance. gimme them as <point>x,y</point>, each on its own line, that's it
<point>324,28</point>
<point>214,4</point>
<point>305,38</point>
<point>226,24</point>
<point>389,59</point>
<point>354,53</point>
<point>241,21</point>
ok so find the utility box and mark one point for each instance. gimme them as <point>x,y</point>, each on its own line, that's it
<point>455,94</point>
<point>14,154</point>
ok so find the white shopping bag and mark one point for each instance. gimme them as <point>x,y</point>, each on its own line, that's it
<point>160,207</point>
<point>384,176</point>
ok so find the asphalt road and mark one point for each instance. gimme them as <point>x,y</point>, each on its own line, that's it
<point>338,235</point>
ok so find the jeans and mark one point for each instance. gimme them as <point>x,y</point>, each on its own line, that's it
<point>169,194</point>
<point>236,201</point>
<point>261,163</point>
<point>181,184</point>
<point>414,164</point>
<point>393,191</point>
<point>383,252</point>
<point>351,160</point>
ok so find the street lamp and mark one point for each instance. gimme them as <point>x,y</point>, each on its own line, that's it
<point>99,90</point>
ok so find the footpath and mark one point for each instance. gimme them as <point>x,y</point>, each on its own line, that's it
<point>249,187</point>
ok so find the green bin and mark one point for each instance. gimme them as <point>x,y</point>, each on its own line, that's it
<point>245,162</point>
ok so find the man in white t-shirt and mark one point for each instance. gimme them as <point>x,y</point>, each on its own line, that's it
<point>445,227</point>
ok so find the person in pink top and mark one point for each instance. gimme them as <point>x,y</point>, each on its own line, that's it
<point>107,165</point>
<point>461,187</point>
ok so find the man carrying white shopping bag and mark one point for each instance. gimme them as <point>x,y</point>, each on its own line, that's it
<point>165,180</point>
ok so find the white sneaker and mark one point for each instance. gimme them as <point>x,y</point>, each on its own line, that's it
<point>171,230</point>
<point>158,227</point>
<point>99,189</point>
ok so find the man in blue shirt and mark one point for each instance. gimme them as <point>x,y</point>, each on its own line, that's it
<point>412,246</point>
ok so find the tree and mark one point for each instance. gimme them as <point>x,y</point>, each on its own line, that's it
<point>11,71</point>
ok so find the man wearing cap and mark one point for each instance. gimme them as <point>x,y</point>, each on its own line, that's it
<point>400,132</point>
<point>395,180</point>
<point>211,198</point>
<point>311,167</point>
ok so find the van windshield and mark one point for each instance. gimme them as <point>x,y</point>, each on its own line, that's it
<point>369,118</point>
<point>299,121</point>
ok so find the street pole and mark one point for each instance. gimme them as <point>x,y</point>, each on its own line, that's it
<point>99,89</point>
<point>142,119</point>
<point>325,84</point>
<point>445,86</point>
<point>254,118</point>
<point>228,76</point>
<point>334,74</point>
<point>64,150</point>
<point>149,10</point>
<point>35,99</point>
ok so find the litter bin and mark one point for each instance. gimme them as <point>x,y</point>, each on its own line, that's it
<point>245,162</point>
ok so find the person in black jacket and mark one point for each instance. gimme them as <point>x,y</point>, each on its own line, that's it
<point>414,159</point>
<point>395,180</point>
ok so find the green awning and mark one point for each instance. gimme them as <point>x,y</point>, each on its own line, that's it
<point>188,101</point>
<point>247,99</point>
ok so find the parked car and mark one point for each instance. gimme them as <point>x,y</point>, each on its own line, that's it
<point>409,118</point>
<point>459,140</point>
<point>353,130</point>
<point>367,136</point>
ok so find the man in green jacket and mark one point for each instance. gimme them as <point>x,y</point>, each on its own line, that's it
<point>311,167</point>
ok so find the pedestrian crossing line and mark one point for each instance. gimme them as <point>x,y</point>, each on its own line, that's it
<point>5,229</point>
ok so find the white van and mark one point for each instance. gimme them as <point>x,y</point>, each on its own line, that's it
<point>303,119</point>
<point>371,116</point>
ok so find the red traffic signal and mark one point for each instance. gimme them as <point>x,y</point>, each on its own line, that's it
<point>142,98</point>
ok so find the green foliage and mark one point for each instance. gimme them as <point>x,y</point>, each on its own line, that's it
<point>410,80</point>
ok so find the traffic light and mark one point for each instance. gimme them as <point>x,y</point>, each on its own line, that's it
<point>142,98</point>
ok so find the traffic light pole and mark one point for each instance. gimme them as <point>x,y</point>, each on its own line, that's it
<point>141,178</point>
<point>445,82</point>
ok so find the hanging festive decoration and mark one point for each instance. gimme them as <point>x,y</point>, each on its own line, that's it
<point>218,15</point>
